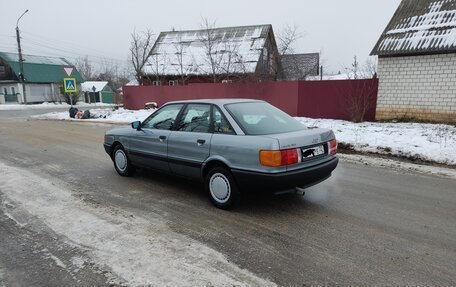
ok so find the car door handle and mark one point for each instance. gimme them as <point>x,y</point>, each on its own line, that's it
<point>201,142</point>
<point>162,138</point>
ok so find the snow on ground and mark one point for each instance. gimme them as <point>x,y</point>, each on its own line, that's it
<point>121,116</point>
<point>399,166</point>
<point>45,105</point>
<point>140,251</point>
<point>431,142</point>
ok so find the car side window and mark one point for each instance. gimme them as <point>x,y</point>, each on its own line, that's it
<point>195,118</point>
<point>221,124</point>
<point>163,119</point>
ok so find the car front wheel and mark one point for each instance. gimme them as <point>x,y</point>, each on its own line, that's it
<point>222,188</point>
<point>122,162</point>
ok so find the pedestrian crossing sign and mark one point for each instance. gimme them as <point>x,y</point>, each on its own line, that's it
<point>69,85</point>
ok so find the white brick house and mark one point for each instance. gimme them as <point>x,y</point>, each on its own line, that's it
<point>417,62</point>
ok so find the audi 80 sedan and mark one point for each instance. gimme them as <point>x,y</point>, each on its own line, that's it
<point>233,146</point>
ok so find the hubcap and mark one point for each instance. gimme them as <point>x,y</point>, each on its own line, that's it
<point>220,188</point>
<point>121,160</point>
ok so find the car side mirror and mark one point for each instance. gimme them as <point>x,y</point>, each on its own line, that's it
<point>136,125</point>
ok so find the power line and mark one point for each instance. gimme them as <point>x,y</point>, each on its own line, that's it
<point>66,51</point>
<point>68,45</point>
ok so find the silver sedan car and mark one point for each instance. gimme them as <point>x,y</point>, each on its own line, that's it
<point>233,146</point>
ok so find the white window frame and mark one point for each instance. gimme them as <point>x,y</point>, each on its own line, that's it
<point>156,83</point>
<point>227,81</point>
<point>173,83</point>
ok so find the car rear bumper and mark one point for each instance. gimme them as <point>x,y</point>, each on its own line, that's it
<point>249,181</point>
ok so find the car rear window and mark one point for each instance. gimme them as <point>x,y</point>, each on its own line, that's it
<point>260,118</point>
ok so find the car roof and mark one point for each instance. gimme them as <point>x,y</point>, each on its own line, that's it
<point>216,101</point>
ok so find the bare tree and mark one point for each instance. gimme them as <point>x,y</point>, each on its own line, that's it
<point>210,40</point>
<point>232,63</point>
<point>366,71</point>
<point>115,74</point>
<point>84,67</point>
<point>360,95</point>
<point>287,37</point>
<point>140,48</point>
<point>183,67</point>
<point>158,64</point>
<point>369,69</point>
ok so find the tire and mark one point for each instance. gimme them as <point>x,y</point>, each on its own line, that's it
<point>121,161</point>
<point>221,188</point>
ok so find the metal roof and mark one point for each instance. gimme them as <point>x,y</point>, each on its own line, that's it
<point>241,46</point>
<point>300,66</point>
<point>420,27</point>
<point>88,86</point>
<point>40,69</point>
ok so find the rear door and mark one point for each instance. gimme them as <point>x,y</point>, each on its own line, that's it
<point>149,146</point>
<point>189,145</point>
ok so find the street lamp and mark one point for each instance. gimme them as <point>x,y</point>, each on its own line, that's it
<point>21,60</point>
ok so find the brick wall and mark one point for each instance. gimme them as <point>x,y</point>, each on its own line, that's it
<point>421,87</point>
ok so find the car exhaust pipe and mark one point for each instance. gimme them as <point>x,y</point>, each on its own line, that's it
<point>300,191</point>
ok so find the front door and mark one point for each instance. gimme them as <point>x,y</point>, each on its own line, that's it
<point>189,145</point>
<point>149,146</point>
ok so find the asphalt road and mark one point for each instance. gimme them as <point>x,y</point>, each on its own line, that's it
<point>364,226</point>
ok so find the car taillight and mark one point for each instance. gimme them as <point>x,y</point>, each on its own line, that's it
<point>332,147</point>
<point>279,157</point>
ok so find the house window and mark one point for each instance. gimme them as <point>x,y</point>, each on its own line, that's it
<point>2,71</point>
<point>13,91</point>
<point>173,83</point>
<point>5,91</point>
<point>227,81</point>
<point>156,83</point>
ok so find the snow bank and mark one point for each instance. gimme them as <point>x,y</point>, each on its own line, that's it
<point>141,251</point>
<point>121,116</point>
<point>46,105</point>
<point>431,142</point>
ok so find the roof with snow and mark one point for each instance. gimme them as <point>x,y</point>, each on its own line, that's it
<point>98,85</point>
<point>300,66</point>
<point>40,69</point>
<point>420,27</point>
<point>185,52</point>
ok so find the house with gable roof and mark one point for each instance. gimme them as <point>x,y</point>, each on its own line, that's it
<point>43,78</point>
<point>213,55</point>
<point>98,92</point>
<point>417,62</point>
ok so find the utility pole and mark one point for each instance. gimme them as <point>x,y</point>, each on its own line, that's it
<point>21,60</point>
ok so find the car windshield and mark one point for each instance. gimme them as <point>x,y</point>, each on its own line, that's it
<point>260,118</point>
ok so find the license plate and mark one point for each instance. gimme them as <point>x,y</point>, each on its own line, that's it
<point>313,152</point>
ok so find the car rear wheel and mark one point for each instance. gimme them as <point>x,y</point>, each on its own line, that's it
<point>222,188</point>
<point>122,163</point>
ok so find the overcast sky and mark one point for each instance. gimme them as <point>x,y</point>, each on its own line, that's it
<point>101,28</point>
